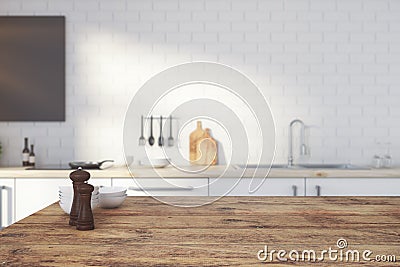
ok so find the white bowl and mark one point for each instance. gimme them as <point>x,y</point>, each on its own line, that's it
<point>111,202</point>
<point>67,199</point>
<point>112,191</point>
<point>68,190</point>
<point>70,196</point>
<point>155,162</point>
<point>159,162</point>
<point>66,205</point>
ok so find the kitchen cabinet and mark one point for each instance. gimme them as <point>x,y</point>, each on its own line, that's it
<point>6,202</point>
<point>270,187</point>
<point>164,187</point>
<point>353,187</point>
<point>20,197</point>
<point>33,195</point>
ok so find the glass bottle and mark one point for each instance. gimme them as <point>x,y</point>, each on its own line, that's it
<point>25,153</point>
<point>32,157</point>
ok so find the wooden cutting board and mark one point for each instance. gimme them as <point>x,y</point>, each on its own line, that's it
<point>208,150</point>
<point>203,148</point>
<point>194,138</point>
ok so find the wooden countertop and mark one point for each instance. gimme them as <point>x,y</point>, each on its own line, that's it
<point>231,231</point>
<point>214,171</point>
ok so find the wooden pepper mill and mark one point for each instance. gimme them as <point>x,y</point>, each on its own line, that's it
<point>78,177</point>
<point>85,219</point>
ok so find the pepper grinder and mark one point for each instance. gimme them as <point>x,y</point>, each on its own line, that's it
<point>85,219</point>
<point>78,178</point>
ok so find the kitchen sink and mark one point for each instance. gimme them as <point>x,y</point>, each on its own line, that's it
<point>332,166</point>
<point>253,166</point>
<point>339,166</point>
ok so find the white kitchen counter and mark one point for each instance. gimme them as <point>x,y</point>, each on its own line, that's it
<point>212,172</point>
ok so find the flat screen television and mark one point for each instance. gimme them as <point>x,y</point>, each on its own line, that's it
<point>32,68</point>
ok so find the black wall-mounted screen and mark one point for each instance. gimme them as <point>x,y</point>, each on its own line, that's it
<point>32,68</point>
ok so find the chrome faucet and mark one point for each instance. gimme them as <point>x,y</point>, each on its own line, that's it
<point>303,147</point>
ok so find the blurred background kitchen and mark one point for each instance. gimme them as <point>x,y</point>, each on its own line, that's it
<point>333,64</point>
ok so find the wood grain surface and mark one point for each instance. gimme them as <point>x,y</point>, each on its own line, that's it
<point>230,231</point>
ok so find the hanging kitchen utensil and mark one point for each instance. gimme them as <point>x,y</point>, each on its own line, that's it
<point>161,138</point>
<point>142,140</point>
<point>151,138</point>
<point>170,138</point>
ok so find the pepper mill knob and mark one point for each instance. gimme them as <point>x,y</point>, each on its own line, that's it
<point>78,177</point>
<point>85,219</point>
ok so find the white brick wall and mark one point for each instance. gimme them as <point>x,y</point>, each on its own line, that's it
<point>335,64</point>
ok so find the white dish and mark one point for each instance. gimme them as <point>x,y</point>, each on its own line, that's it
<point>66,205</point>
<point>111,202</point>
<point>106,196</point>
<point>68,190</point>
<point>155,162</point>
<point>112,191</point>
<point>68,199</point>
<point>70,202</point>
<point>70,196</point>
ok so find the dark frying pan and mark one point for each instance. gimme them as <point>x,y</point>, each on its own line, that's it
<point>87,164</point>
